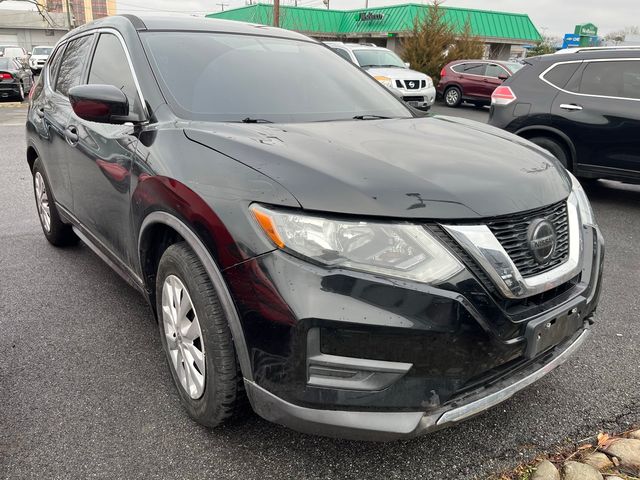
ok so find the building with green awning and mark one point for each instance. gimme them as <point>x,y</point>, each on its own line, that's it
<point>505,34</point>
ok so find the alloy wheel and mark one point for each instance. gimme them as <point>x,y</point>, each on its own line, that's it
<point>452,96</point>
<point>184,336</point>
<point>42,201</point>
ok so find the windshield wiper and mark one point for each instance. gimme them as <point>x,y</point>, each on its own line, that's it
<point>369,117</point>
<point>255,120</point>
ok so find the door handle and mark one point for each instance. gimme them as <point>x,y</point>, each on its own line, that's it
<point>40,112</point>
<point>71,134</point>
<point>570,106</point>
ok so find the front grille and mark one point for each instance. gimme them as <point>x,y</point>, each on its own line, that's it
<point>511,232</point>
<point>412,84</point>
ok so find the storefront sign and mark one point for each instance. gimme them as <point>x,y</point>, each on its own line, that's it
<point>586,29</point>
<point>369,16</point>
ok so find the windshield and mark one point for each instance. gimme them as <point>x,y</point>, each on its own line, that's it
<point>230,77</point>
<point>42,51</point>
<point>514,67</point>
<point>4,63</point>
<point>378,57</point>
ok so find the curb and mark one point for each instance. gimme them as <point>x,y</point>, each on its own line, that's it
<point>15,105</point>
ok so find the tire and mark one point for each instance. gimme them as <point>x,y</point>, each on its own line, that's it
<point>55,230</point>
<point>218,395</point>
<point>452,97</point>
<point>20,94</point>
<point>554,148</point>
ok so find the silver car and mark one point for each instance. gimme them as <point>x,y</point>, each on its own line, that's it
<point>415,88</point>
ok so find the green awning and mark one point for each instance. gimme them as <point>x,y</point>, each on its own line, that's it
<point>383,20</point>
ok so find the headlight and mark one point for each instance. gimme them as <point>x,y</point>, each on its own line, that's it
<point>386,81</point>
<point>429,82</point>
<point>397,250</point>
<point>586,213</point>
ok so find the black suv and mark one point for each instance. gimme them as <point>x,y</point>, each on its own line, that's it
<point>583,106</point>
<point>304,238</point>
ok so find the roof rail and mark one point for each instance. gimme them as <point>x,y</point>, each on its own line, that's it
<point>599,49</point>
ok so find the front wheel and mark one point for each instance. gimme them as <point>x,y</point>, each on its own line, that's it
<point>453,97</point>
<point>196,338</point>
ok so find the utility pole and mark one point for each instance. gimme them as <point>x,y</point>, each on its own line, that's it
<point>276,13</point>
<point>366,3</point>
<point>69,14</point>
<point>222,5</point>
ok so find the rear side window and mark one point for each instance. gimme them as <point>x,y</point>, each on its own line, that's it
<point>495,71</point>
<point>72,66</point>
<point>54,63</point>
<point>343,53</point>
<point>110,67</point>
<point>560,74</point>
<point>470,68</point>
<point>612,79</point>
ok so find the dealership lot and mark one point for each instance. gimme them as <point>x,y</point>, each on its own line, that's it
<point>85,392</point>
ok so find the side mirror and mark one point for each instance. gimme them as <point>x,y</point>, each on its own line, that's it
<point>29,53</point>
<point>100,103</point>
<point>407,65</point>
<point>503,76</point>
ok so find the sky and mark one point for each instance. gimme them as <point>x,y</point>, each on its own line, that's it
<point>552,17</point>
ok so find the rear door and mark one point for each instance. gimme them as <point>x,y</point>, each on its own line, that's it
<point>600,111</point>
<point>101,157</point>
<point>471,77</point>
<point>492,80</point>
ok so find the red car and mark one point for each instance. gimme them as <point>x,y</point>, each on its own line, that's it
<point>473,80</point>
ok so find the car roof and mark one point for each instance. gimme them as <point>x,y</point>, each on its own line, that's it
<point>588,54</point>
<point>476,60</point>
<point>184,22</point>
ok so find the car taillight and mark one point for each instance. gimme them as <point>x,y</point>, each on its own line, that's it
<point>502,96</point>
<point>443,72</point>
<point>5,76</point>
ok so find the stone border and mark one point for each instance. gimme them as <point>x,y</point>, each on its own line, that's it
<point>606,458</point>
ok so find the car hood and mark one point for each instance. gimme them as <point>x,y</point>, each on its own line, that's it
<point>430,168</point>
<point>396,73</point>
<point>39,57</point>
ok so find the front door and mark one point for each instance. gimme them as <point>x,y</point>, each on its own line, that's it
<point>103,154</point>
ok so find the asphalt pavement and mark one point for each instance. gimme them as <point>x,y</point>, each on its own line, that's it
<point>85,391</point>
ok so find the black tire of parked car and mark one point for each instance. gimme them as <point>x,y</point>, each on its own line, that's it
<point>553,147</point>
<point>223,397</point>
<point>452,97</point>
<point>59,234</point>
<point>20,94</point>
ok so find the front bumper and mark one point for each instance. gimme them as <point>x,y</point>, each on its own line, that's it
<point>347,354</point>
<point>385,426</point>
<point>419,98</point>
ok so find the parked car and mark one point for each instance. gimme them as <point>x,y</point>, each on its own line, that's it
<point>357,269</point>
<point>38,58</point>
<point>13,51</point>
<point>15,78</point>
<point>415,88</point>
<point>473,80</point>
<point>583,107</point>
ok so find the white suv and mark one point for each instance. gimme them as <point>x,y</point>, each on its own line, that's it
<point>39,57</point>
<point>416,88</point>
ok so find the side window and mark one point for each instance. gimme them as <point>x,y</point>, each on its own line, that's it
<point>560,74</point>
<point>612,79</point>
<point>474,68</point>
<point>53,64</point>
<point>343,53</point>
<point>110,67</point>
<point>459,68</point>
<point>495,71</point>
<point>72,65</point>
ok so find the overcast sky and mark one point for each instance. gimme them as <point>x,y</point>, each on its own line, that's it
<point>552,17</point>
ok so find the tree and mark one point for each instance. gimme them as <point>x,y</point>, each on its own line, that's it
<point>433,42</point>
<point>544,47</point>
<point>619,36</point>
<point>426,48</point>
<point>467,45</point>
